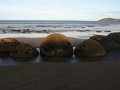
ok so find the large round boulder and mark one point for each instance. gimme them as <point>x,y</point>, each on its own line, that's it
<point>89,48</point>
<point>111,42</point>
<point>24,51</point>
<point>115,36</point>
<point>6,44</point>
<point>56,45</point>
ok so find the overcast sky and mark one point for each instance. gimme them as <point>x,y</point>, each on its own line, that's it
<point>58,9</point>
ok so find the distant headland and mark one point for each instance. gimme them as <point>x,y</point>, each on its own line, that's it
<point>109,19</point>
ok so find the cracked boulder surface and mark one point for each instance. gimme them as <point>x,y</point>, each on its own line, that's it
<point>24,51</point>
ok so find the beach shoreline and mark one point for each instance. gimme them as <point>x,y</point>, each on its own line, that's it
<point>36,42</point>
<point>73,73</point>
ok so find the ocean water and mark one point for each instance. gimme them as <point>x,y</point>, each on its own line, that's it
<point>42,28</point>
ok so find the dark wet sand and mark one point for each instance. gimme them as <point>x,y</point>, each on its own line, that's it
<point>61,76</point>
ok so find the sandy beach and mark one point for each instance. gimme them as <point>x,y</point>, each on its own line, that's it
<point>65,73</point>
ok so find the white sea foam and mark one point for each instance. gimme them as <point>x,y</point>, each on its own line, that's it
<point>74,34</point>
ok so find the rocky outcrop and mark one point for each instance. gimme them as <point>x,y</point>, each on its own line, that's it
<point>56,45</point>
<point>24,51</point>
<point>89,48</point>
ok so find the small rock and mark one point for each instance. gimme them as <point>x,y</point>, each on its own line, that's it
<point>107,31</point>
<point>98,31</point>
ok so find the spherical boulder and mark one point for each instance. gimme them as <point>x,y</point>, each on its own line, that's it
<point>111,42</point>
<point>89,48</point>
<point>115,36</point>
<point>56,45</point>
<point>6,44</point>
<point>24,51</point>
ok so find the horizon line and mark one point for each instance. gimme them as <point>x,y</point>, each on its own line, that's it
<point>41,20</point>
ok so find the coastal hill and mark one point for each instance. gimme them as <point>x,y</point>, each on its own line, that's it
<point>109,19</point>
